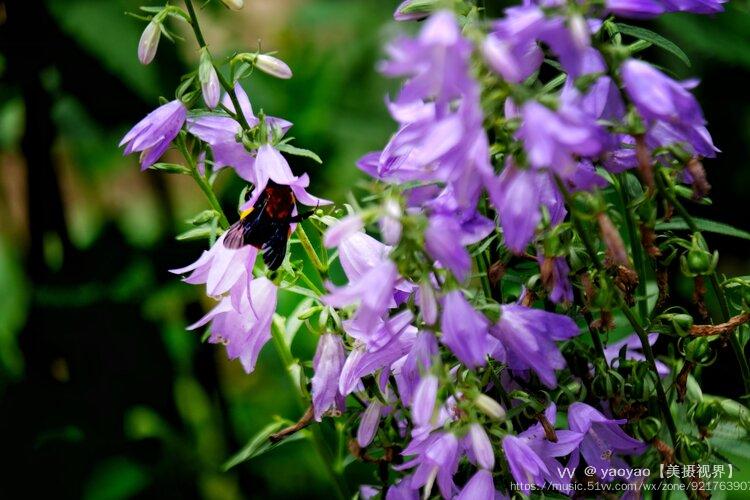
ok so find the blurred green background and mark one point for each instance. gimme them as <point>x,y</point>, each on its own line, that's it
<point>103,394</point>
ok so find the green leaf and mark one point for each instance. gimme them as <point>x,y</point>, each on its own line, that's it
<point>292,150</point>
<point>260,444</point>
<point>655,38</point>
<point>707,225</point>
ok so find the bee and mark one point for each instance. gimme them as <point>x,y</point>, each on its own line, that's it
<point>267,224</point>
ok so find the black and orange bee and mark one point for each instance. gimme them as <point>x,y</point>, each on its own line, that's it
<point>267,224</point>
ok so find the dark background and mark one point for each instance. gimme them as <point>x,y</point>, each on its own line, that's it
<point>103,394</point>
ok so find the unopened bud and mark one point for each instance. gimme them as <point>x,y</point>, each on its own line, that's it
<point>690,450</point>
<point>233,4</point>
<point>649,428</point>
<point>412,10</point>
<point>579,29</point>
<point>149,42</point>
<point>697,350</point>
<point>272,66</point>
<point>645,161</point>
<point>209,80</point>
<point>489,407</point>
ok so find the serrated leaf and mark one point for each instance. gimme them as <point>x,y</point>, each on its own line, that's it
<point>260,444</point>
<point>293,150</point>
<point>707,225</point>
<point>656,39</point>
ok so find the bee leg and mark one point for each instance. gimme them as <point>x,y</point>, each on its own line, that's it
<point>301,217</point>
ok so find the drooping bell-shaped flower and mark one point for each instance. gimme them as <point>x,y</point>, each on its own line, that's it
<point>153,135</point>
<point>603,440</point>
<point>327,365</point>
<point>529,336</point>
<point>243,328</point>
<point>436,458</point>
<point>480,448</point>
<point>479,487</point>
<point>465,330</point>
<point>222,270</point>
<point>633,348</point>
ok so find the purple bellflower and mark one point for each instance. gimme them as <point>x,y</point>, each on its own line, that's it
<point>153,135</point>
<point>602,439</point>
<point>528,336</point>
<point>633,347</point>
<point>327,365</point>
<point>465,331</point>
<point>668,106</point>
<point>222,270</point>
<point>243,329</point>
<point>479,487</point>
<point>532,457</point>
<point>436,458</point>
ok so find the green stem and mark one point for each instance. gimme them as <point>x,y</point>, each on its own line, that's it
<point>642,335</point>
<point>637,250</point>
<point>310,251</point>
<point>725,313</point>
<point>285,353</point>
<point>228,88</point>
<point>202,183</point>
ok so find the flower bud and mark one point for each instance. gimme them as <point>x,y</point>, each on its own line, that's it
<point>579,29</point>
<point>489,407</point>
<point>149,42</point>
<point>612,241</point>
<point>209,80</point>
<point>272,66</point>
<point>412,10</point>
<point>233,4</point>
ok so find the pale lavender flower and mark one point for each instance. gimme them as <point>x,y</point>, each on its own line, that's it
<point>553,138</point>
<point>511,49</point>
<point>532,457</point>
<point>695,6</point>
<point>479,487</point>
<point>480,448</point>
<point>402,490</point>
<point>417,361</point>
<point>153,135</point>
<point>436,458</point>
<point>368,423</point>
<point>525,465</point>
<point>465,330</point>
<point>327,365</point>
<point>518,195</point>
<point>602,440</point>
<point>425,399</point>
<point>529,336</point>
<point>633,347</point>
<point>342,229</point>
<point>372,292</point>
<point>667,104</point>
<point>390,222</point>
<point>149,42</point>
<point>364,361</point>
<point>222,270</point>
<point>243,328</point>
<point>427,303</point>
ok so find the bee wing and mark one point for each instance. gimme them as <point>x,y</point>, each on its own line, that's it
<point>274,249</point>
<point>235,236</point>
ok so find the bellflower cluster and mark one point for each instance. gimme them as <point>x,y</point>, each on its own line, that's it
<point>481,316</point>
